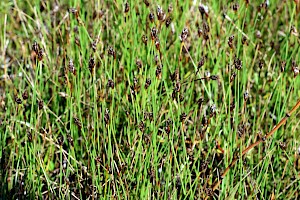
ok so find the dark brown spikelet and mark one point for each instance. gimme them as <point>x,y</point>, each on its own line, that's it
<point>200,101</point>
<point>200,64</point>
<point>295,68</point>
<point>18,100</point>
<point>92,64</point>
<point>238,64</point>
<point>146,3</point>
<point>111,52</point>
<point>244,40</point>
<point>235,7</point>
<point>40,104</point>
<point>183,117</point>
<point>40,54</point>
<point>144,39</point>
<point>168,21</point>
<point>160,14</point>
<point>71,67</point>
<point>261,64</point>
<point>157,44</point>
<point>60,140</point>
<point>230,41</point>
<point>35,47</point>
<point>158,71</point>
<point>77,122</point>
<point>126,10</point>
<point>214,77</point>
<point>110,84</point>
<point>177,86</point>
<point>148,83</point>
<point>183,35</point>
<point>106,116</point>
<point>233,75</point>
<point>154,33</point>
<point>94,45</point>
<point>25,95</point>
<point>139,63</point>
<point>282,145</point>
<point>246,95</point>
<point>151,17</point>
<point>142,126</point>
<point>212,110</point>
<point>200,32</point>
<point>156,60</point>
<point>203,10</point>
<point>206,28</point>
<point>70,140</point>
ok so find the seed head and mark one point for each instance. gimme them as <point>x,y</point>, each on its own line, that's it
<point>235,7</point>
<point>151,17</point>
<point>261,64</point>
<point>206,28</point>
<point>139,63</point>
<point>168,21</point>
<point>111,52</point>
<point>77,122</point>
<point>246,95</point>
<point>295,68</point>
<point>233,75</point>
<point>213,109</point>
<point>157,44</point>
<point>183,117</point>
<point>183,35</point>
<point>177,86</point>
<point>203,9</point>
<point>160,14</point>
<point>158,71</point>
<point>148,83</point>
<point>126,10</point>
<point>70,140</point>
<point>35,47</point>
<point>244,40</point>
<point>40,54</point>
<point>18,100</point>
<point>238,64</point>
<point>154,33</point>
<point>25,95</point>
<point>71,67</point>
<point>146,3</point>
<point>106,116</point>
<point>41,104</point>
<point>144,39</point>
<point>111,84</point>
<point>200,32</point>
<point>142,126</point>
<point>92,64</point>
<point>282,145</point>
<point>230,41</point>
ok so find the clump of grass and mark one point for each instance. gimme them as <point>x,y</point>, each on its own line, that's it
<point>149,100</point>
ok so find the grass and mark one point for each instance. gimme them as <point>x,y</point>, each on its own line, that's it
<point>91,109</point>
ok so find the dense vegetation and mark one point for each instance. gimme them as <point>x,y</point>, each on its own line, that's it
<point>149,99</point>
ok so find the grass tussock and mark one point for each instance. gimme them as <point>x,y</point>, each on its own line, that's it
<point>149,99</point>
